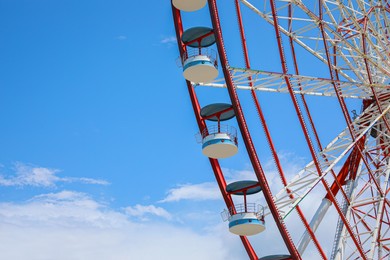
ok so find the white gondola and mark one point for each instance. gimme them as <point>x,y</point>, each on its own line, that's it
<point>200,67</point>
<point>189,5</point>
<point>219,142</point>
<point>199,63</point>
<point>219,145</point>
<point>246,224</point>
<point>245,219</point>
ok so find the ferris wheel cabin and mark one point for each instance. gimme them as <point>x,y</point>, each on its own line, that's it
<point>218,141</point>
<point>246,224</point>
<point>219,145</point>
<point>199,68</point>
<point>199,62</point>
<point>189,6</point>
<point>245,219</point>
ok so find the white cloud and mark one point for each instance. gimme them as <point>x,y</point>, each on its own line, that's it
<point>64,195</point>
<point>291,166</point>
<point>31,176</point>
<point>141,212</point>
<point>65,208</point>
<point>71,225</point>
<point>238,175</point>
<point>121,37</point>
<point>27,175</point>
<point>210,190</point>
<point>202,191</point>
<point>170,39</point>
<point>85,180</point>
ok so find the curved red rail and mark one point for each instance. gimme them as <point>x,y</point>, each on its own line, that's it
<point>245,132</point>
<point>201,124</point>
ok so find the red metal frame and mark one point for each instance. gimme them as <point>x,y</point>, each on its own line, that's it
<point>201,124</point>
<point>268,134</point>
<point>358,153</point>
<point>245,133</point>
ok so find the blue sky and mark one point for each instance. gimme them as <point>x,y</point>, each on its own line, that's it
<point>98,158</point>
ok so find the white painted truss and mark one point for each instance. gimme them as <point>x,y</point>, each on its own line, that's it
<point>347,25</point>
<point>352,38</point>
<point>276,82</point>
<point>355,37</point>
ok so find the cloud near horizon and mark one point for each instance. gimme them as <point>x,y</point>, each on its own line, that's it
<point>201,191</point>
<point>72,225</point>
<point>27,175</point>
<point>141,212</point>
<point>170,39</point>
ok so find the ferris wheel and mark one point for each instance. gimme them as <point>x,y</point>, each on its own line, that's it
<point>344,186</point>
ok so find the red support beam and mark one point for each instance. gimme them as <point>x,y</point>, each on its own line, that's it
<point>245,133</point>
<point>268,133</point>
<point>201,124</point>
